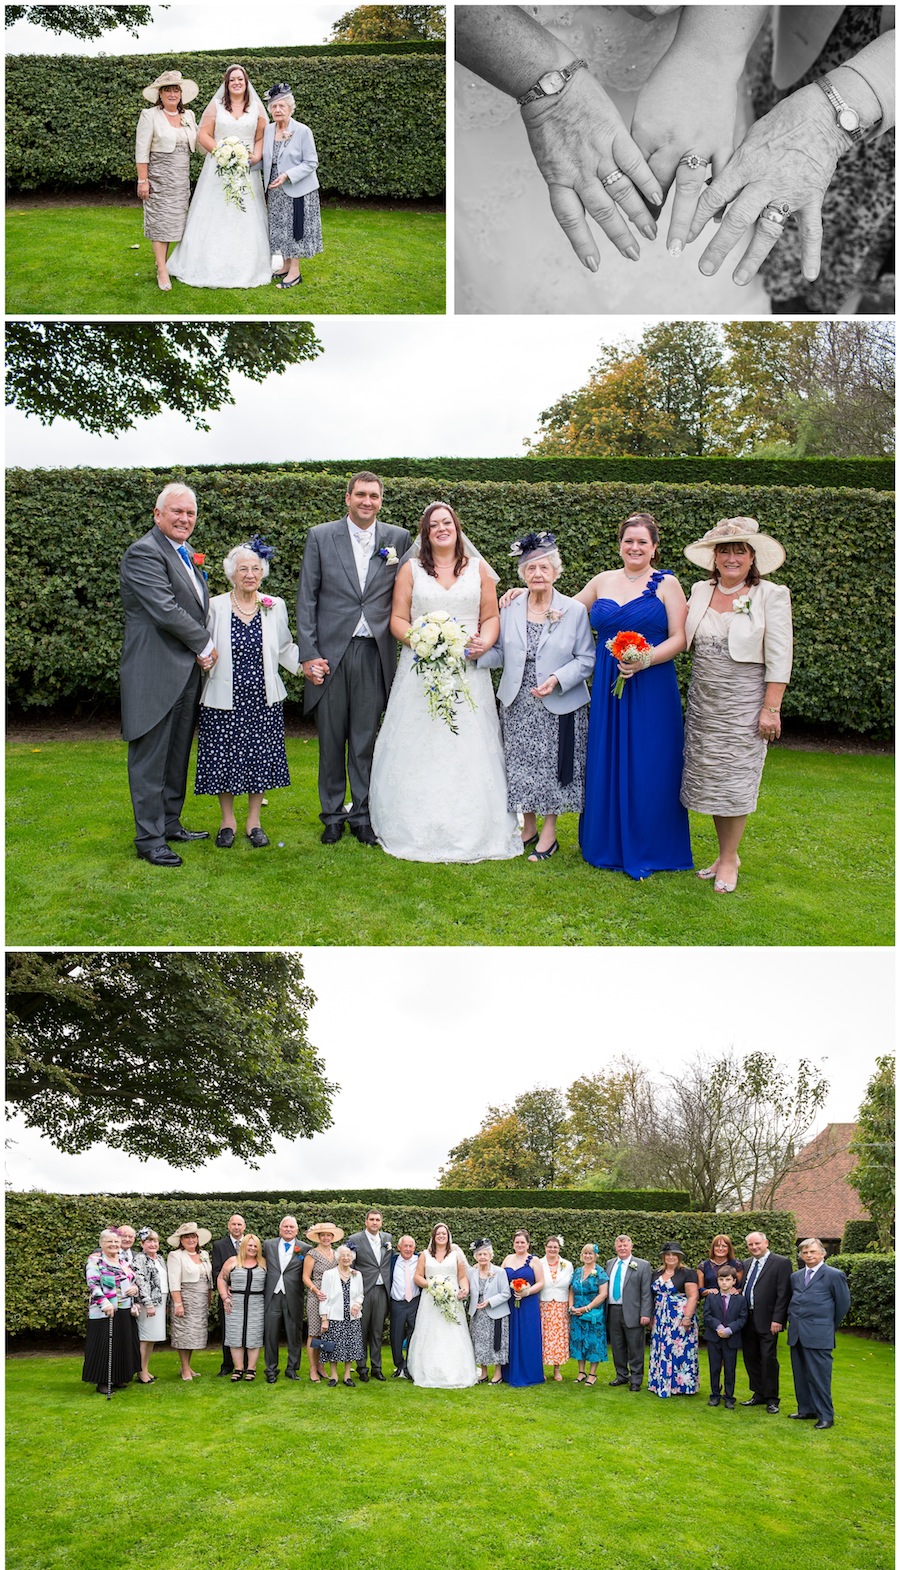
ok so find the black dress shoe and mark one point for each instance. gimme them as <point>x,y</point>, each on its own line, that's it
<point>714,1400</point>
<point>825,1423</point>
<point>225,839</point>
<point>364,833</point>
<point>377,1374</point>
<point>181,836</point>
<point>331,833</point>
<point>634,1389</point>
<point>258,838</point>
<point>271,1378</point>
<point>291,1375</point>
<point>729,1404</point>
<point>161,856</point>
<point>362,1375</point>
<point>772,1408</point>
<point>614,1382</point>
<point>803,1417</point>
<point>397,1374</point>
<point>754,1401</point>
<point>408,1375</point>
<point>224,1372</point>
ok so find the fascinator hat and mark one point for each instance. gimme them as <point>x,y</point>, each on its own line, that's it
<point>279,90</point>
<point>531,546</point>
<point>189,89</point>
<point>735,531</point>
<point>671,1248</point>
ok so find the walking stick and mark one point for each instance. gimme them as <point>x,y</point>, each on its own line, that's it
<point>109,1358</point>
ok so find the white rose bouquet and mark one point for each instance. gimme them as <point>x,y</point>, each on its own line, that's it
<point>232,161</point>
<point>445,1299</point>
<point>438,643</point>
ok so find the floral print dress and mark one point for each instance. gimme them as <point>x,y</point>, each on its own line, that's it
<point>674,1351</point>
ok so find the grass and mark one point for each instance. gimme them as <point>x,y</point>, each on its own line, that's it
<point>269,1478</point>
<point>67,260</point>
<point>817,869</point>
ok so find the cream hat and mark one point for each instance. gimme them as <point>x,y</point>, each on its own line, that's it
<point>324,1226</point>
<point>189,89</point>
<point>732,531</point>
<point>203,1236</point>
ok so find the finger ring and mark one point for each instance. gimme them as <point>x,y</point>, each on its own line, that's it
<point>776,212</point>
<point>610,179</point>
<point>694,161</point>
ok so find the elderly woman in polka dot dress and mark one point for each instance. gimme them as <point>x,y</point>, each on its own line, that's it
<point>240,746</point>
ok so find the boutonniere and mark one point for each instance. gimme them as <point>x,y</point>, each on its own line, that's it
<point>553,620</point>
<point>742,606</point>
<point>266,601</point>
<point>632,1265</point>
<point>298,1248</point>
<point>388,555</point>
<point>198,559</point>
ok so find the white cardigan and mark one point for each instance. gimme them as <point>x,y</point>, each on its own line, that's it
<point>154,132</point>
<point>762,637</point>
<point>557,1291</point>
<point>333,1306</point>
<point>277,647</point>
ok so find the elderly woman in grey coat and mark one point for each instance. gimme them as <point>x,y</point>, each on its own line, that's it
<point>292,186</point>
<point>488,1311</point>
<point>546,649</point>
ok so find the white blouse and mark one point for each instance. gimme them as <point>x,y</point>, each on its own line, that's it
<point>557,1291</point>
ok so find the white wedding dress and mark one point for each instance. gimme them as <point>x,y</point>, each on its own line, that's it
<point>511,255</point>
<point>440,1354</point>
<point>434,796</point>
<point>222,247</point>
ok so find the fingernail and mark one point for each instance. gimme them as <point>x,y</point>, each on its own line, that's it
<point>593,262</point>
<point>657,197</point>
<point>675,247</point>
<point>707,268</point>
<point>633,251</point>
<point>741,277</point>
<point>649,230</point>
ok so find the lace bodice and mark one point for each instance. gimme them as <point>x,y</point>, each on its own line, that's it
<point>462,599</point>
<point>441,1269</point>
<point>244,127</point>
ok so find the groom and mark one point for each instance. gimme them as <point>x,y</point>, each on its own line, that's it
<point>348,654</point>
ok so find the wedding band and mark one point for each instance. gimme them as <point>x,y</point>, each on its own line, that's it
<point>610,179</point>
<point>776,212</point>
<point>694,161</point>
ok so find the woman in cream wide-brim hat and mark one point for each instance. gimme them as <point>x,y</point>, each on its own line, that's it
<point>166,137</point>
<point>741,631</point>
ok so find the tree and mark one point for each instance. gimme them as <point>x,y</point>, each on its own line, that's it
<point>390,24</point>
<point>177,1055</point>
<point>873,1144</point>
<point>496,1157</point>
<point>108,376</point>
<point>83,21</point>
<point>610,1115</point>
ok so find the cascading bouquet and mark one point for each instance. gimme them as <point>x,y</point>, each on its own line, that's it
<point>632,649</point>
<point>438,643</point>
<point>232,161</point>
<point>445,1299</point>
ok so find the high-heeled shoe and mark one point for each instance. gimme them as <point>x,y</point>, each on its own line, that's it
<point>544,855</point>
<point>527,844</point>
<point>164,286</point>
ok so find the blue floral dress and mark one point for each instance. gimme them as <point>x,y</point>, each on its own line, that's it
<point>587,1332</point>
<point>674,1352</point>
<point>242,749</point>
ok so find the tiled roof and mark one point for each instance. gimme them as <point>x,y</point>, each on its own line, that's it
<point>815,1188</point>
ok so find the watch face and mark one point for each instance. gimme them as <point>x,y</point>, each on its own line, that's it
<point>848,120</point>
<point>552,82</point>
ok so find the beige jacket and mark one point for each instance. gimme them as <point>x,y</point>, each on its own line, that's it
<point>762,637</point>
<point>155,134</point>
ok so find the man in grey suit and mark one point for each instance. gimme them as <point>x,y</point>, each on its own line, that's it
<point>283,1298</point>
<point>629,1309</point>
<point>347,652</point>
<point>820,1298</point>
<point>373,1261</point>
<point>165,647</point>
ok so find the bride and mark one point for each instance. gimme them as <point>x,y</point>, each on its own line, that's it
<point>436,795</point>
<point>440,1352</point>
<point>224,247</point>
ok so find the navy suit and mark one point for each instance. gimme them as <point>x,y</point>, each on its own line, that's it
<point>403,1314</point>
<point>814,1315</point>
<point>770,1291</point>
<point>723,1350</point>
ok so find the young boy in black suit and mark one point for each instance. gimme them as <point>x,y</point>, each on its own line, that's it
<point>724,1313</point>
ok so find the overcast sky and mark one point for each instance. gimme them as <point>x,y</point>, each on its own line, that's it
<point>191,27</point>
<point>422,1040</point>
<point>384,387</point>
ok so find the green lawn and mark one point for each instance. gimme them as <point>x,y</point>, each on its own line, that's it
<point>275,1477</point>
<point>69,260</point>
<point>817,869</point>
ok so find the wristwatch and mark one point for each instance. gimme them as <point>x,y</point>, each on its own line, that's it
<point>846,118</point>
<point>551,84</point>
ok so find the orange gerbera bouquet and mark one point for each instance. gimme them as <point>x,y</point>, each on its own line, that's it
<point>632,649</point>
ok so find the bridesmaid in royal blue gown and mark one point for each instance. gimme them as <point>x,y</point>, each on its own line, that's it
<point>526,1354</point>
<point>633,820</point>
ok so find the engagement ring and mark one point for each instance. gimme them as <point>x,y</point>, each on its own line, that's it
<point>776,212</point>
<point>610,179</point>
<point>694,161</point>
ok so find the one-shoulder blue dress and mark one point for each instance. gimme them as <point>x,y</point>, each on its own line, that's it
<point>633,820</point>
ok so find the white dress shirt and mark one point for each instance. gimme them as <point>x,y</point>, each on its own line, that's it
<point>404,1269</point>
<point>375,1242</point>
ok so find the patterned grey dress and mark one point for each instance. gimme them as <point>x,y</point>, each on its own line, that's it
<point>189,1332</point>
<point>244,1325</point>
<point>281,216</point>
<point>531,745</point>
<point>169,176</point>
<point>486,1332</point>
<point>321,1263</point>
<point>723,750</point>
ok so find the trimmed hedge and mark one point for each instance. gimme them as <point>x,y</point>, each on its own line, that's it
<point>378,121</point>
<point>56,1232</point>
<point>66,530</point>
<point>876,474</point>
<point>859,1236</point>
<point>459,1198</point>
<point>872,1281</point>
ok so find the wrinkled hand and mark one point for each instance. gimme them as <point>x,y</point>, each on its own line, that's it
<point>687,105</point>
<point>178,1310</point>
<point>355,1311</point>
<point>546,687</point>
<point>510,595</point>
<point>577,138</point>
<point>279,180</point>
<point>207,661</point>
<point>108,1309</point>
<point>790,155</point>
<point>769,726</point>
<point>315,671</point>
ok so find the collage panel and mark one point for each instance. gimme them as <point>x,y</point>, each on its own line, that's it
<point>378,679</point>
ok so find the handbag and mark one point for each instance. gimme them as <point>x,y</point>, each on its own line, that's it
<point>326,1344</point>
